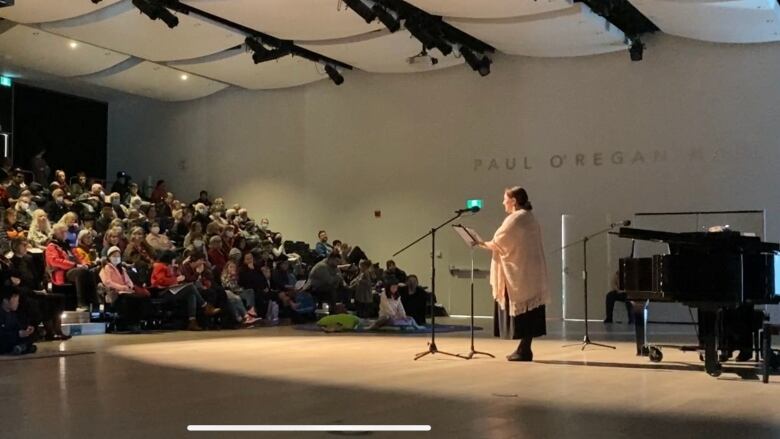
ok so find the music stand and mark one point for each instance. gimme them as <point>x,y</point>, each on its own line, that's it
<point>432,349</point>
<point>584,241</point>
<point>471,238</point>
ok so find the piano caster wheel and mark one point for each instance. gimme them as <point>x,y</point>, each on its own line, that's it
<point>714,371</point>
<point>656,355</point>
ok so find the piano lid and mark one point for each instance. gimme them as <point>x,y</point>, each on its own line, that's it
<point>726,240</point>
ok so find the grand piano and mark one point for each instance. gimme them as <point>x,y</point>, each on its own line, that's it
<point>711,271</point>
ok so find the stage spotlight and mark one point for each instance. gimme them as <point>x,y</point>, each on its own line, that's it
<point>636,50</point>
<point>421,34</point>
<point>334,74</point>
<point>477,63</point>
<point>96,1</point>
<point>361,9</point>
<point>388,18</point>
<point>262,53</point>
<point>155,10</point>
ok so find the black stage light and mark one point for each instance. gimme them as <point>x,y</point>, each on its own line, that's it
<point>93,1</point>
<point>481,65</point>
<point>4,3</point>
<point>421,34</point>
<point>155,10</point>
<point>636,50</point>
<point>262,53</point>
<point>334,74</point>
<point>361,9</point>
<point>387,18</point>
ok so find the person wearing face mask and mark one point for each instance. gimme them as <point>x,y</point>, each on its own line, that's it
<point>131,304</point>
<point>23,216</point>
<point>201,215</point>
<point>140,255</point>
<point>58,206</point>
<point>157,240</point>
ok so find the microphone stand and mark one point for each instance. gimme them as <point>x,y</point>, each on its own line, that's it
<point>584,241</point>
<point>432,349</point>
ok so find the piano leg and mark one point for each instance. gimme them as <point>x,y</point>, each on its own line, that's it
<point>708,332</point>
<point>640,326</point>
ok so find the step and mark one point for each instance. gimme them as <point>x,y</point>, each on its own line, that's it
<point>75,317</point>
<point>75,329</point>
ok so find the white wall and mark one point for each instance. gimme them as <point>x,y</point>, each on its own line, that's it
<point>702,117</point>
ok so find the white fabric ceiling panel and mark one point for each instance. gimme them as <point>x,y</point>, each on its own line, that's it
<point>236,67</point>
<point>31,48</point>
<point>490,8</point>
<point>576,31</point>
<point>41,11</point>
<point>382,52</point>
<point>742,21</point>
<point>123,28</point>
<point>302,20</point>
<point>158,82</point>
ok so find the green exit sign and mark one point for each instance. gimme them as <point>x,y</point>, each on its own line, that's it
<point>473,203</point>
<point>5,81</point>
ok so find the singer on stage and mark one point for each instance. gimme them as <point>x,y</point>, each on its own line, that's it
<point>518,275</point>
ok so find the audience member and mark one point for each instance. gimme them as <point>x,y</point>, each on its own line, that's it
<point>132,304</point>
<point>363,287</point>
<point>323,249</point>
<point>14,338</point>
<point>80,186</point>
<point>414,299</point>
<point>40,230</point>
<point>391,309</point>
<point>165,276</point>
<point>325,281</point>
<point>241,300</point>
<point>64,268</point>
<point>157,240</point>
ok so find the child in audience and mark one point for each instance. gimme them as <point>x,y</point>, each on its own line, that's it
<point>391,310</point>
<point>14,339</point>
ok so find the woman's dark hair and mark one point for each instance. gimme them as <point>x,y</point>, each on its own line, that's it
<point>520,196</point>
<point>159,182</point>
<point>167,257</point>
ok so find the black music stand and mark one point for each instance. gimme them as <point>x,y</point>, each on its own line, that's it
<point>584,241</point>
<point>471,239</point>
<point>432,349</point>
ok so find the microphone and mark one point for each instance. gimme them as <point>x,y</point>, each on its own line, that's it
<point>621,223</point>
<point>473,209</point>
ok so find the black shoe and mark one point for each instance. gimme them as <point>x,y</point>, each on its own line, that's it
<point>516,356</point>
<point>607,320</point>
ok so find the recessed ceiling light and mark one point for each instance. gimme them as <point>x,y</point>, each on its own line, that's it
<point>184,77</point>
<point>74,44</point>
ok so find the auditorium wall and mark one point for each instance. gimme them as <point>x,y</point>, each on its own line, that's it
<point>381,159</point>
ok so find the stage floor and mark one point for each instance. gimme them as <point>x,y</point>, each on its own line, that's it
<point>154,385</point>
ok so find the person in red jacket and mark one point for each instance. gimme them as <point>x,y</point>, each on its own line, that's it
<point>165,276</point>
<point>65,268</point>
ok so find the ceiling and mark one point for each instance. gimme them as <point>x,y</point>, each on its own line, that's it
<point>113,45</point>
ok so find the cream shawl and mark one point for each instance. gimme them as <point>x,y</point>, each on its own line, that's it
<point>518,265</point>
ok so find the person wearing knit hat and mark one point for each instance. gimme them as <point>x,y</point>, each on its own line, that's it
<point>235,255</point>
<point>131,304</point>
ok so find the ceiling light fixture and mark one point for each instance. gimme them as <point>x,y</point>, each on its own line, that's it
<point>334,74</point>
<point>73,44</point>
<point>184,77</point>
<point>387,17</point>
<point>636,50</point>
<point>155,10</point>
<point>478,63</point>
<point>262,53</point>
<point>361,9</point>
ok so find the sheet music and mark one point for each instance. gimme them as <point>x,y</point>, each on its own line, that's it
<point>469,235</point>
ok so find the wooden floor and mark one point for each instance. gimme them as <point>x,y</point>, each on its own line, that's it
<point>150,386</point>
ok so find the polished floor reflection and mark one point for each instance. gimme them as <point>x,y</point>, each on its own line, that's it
<point>155,385</point>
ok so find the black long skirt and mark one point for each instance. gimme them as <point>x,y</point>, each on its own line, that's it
<point>531,323</point>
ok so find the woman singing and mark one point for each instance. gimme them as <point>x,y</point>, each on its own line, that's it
<point>518,275</point>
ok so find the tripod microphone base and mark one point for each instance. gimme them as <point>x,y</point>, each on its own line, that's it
<point>586,342</point>
<point>432,349</point>
<point>474,353</point>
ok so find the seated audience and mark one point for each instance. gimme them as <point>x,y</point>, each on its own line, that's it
<point>140,255</point>
<point>113,238</point>
<point>157,240</point>
<point>203,198</point>
<point>414,299</point>
<point>40,229</point>
<point>159,192</point>
<point>196,270</point>
<point>15,339</point>
<point>38,305</point>
<point>120,211</point>
<point>325,281</point>
<point>17,186</point>
<point>393,271</point>
<point>58,205</point>
<point>217,256</point>
<point>23,216</point>
<point>391,309</point>
<point>241,300</point>
<point>103,222</point>
<point>65,268</point>
<point>71,223</point>
<point>80,186</point>
<point>132,304</point>
<point>11,227</point>
<point>85,250</point>
<point>165,276</point>
<point>323,249</point>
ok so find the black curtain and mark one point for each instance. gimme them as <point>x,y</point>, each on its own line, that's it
<point>71,129</point>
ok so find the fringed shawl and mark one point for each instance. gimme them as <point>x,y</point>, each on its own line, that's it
<point>518,265</point>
